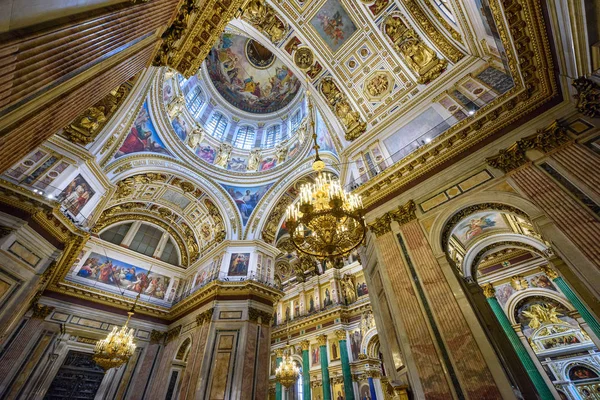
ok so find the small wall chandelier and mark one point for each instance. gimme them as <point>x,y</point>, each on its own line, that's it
<point>326,221</point>
<point>116,349</point>
<point>287,373</point>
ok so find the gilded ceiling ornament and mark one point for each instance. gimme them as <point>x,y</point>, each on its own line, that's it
<point>263,17</point>
<point>540,314</point>
<point>549,271</point>
<point>588,97</point>
<point>518,282</point>
<point>304,57</point>
<point>418,56</point>
<point>378,85</point>
<point>84,129</point>
<point>353,124</point>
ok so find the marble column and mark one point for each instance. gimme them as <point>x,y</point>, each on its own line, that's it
<point>528,363</point>
<point>346,371</point>
<point>574,299</point>
<point>372,388</point>
<point>54,73</point>
<point>305,370</point>
<point>578,160</point>
<point>322,340</point>
<point>278,360</point>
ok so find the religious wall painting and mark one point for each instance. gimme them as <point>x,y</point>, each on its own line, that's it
<point>334,351</point>
<point>317,393</point>
<point>168,91</point>
<point>238,265</point>
<point>273,364</point>
<point>173,291</point>
<point>333,24</point>
<point>580,372</point>
<point>120,277</point>
<point>361,288</point>
<point>541,281</point>
<point>201,277</point>
<point>326,296</point>
<point>323,137</point>
<point>503,293</point>
<point>338,391</point>
<point>477,224</point>
<point>246,198</point>
<point>255,81</point>
<point>142,137</point>
<point>294,149</point>
<point>238,164</point>
<point>181,127</point>
<point>267,163</point>
<point>355,341</point>
<point>364,391</point>
<point>76,195</point>
<point>315,355</point>
<point>206,152</point>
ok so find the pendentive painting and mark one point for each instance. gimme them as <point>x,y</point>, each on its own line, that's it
<point>120,277</point>
<point>246,198</point>
<point>142,137</point>
<point>238,266</point>
<point>478,224</point>
<point>333,24</point>
<point>76,195</point>
<point>249,76</point>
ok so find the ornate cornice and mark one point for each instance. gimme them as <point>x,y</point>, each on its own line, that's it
<point>545,139</point>
<point>41,311</point>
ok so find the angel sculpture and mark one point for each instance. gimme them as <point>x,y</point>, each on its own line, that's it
<point>540,314</point>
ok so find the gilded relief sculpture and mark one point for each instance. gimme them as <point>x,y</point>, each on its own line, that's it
<point>263,17</point>
<point>223,157</point>
<point>195,137</point>
<point>353,124</point>
<point>254,159</point>
<point>418,56</point>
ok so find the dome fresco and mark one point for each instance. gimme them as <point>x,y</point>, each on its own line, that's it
<point>249,76</point>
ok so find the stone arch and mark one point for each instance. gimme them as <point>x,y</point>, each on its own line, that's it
<point>370,343</point>
<point>183,350</point>
<point>514,300</point>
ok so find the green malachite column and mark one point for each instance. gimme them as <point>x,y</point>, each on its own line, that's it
<point>532,371</point>
<point>278,392</point>
<point>305,370</point>
<point>322,339</point>
<point>346,372</point>
<point>574,299</point>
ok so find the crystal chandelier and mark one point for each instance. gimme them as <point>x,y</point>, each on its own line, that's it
<point>326,221</point>
<point>287,373</point>
<point>116,349</point>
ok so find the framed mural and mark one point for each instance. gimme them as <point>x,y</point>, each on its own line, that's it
<point>76,195</point>
<point>338,391</point>
<point>238,266</point>
<point>267,163</point>
<point>119,276</point>
<point>334,351</point>
<point>478,224</point>
<point>238,164</point>
<point>333,24</point>
<point>206,153</point>
<point>246,198</point>
<point>355,341</point>
<point>314,355</point>
<point>180,127</point>
<point>142,137</point>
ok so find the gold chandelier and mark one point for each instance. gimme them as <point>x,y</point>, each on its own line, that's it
<point>116,349</point>
<point>326,221</point>
<point>287,373</point>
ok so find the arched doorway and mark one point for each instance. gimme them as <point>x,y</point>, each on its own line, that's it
<point>498,253</point>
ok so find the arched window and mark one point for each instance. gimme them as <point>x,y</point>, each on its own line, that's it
<point>216,126</point>
<point>299,382</point>
<point>295,120</point>
<point>273,136</point>
<point>169,253</point>
<point>146,240</point>
<point>116,234</point>
<point>195,99</point>
<point>244,139</point>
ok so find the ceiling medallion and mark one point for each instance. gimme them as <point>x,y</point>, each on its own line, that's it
<point>304,58</point>
<point>326,221</point>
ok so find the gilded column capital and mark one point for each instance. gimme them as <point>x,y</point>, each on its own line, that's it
<point>157,336</point>
<point>382,225</point>
<point>279,352</point>
<point>508,159</point>
<point>588,97</point>
<point>549,271</point>
<point>173,334</point>
<point>259,316</point>
<point>405,213</point>
<point>340,334</point>
<point>322,340</point>
<point>41,311</point>
<point>205,316</point>
<point>488,290</point>
<point>374,374</point>
<point>305,344</point>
